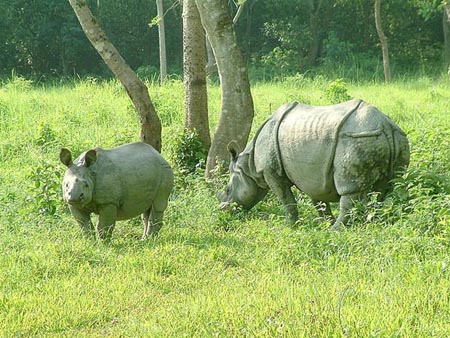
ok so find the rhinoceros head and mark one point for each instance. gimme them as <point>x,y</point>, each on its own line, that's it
<point>78,182</point>
<point>242,188</point>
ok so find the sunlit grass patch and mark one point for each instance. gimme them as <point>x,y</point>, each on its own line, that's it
<point>212,272</point>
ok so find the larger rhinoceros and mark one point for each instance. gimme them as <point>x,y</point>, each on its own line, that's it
<point>332,153</point>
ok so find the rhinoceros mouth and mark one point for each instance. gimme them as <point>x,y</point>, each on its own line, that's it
<point>75,203</point>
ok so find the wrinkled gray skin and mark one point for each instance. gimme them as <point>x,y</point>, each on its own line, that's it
<point>331,153</point>
<point>117,184</point>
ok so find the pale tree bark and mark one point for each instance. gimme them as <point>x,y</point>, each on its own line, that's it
<point>383,41</point>
<point>162,42</point>
<point>238,12</point>
<point>248,25</point>
<point>136,89</point>
<point>237,104</point>
<point>194,59</point>
<point>211,66</point>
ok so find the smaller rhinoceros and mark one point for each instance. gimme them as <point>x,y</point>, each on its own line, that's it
<point>331,153</point>
<point>117,184</point>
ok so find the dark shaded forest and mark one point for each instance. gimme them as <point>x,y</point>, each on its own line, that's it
<point>42,39</point>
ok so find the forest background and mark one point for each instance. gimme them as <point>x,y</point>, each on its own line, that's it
<point>278,38</point>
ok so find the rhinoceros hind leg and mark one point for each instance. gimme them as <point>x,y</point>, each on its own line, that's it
<point>345,204</point>
<point>156,216</point>
<point>383,186</point>
<point>157,222</point>
<point>146,222</point>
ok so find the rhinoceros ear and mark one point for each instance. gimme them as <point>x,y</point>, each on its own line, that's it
<point>233,149</point>
<point>90,157</point>
<point>66,157</point>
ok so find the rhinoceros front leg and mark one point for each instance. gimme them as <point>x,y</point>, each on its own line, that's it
<point>345,204</point>
<point>106,221</point>
<point>83,219</point>
<point>282,189</point>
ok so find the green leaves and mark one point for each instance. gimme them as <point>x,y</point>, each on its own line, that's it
<point>336,91</point>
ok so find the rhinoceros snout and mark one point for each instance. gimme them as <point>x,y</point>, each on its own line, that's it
<point>75,199</point>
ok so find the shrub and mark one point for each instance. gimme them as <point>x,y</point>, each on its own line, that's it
<point>18,83</point>
<point>44,194</point>
<point>189,151</point>
<point>47,137</point>
<point>337,91</point>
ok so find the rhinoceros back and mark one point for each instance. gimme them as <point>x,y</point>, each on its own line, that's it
<point>307,139</point>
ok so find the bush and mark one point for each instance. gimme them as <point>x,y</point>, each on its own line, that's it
<point>149,73</point>
<point>18,83</point>
<point>44,194</point>
<point>337,91</point>
<point>190,153</point>
<point>47,137</point>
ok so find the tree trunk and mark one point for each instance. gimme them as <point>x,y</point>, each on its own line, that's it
<point>162,42</point>
<point>136,89</point>
<point>237,104</point>
<point>383,41</point>
<point>238,13</point>
<point>211,66</point>
<point>248,29</point>
<point>194,59</point>
<point>321,11</point>
<point>447,10</point>
<point>314,25</point>
<point>446,27</point>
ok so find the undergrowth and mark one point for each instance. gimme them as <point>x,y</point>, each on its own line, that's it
<point>212,272</point>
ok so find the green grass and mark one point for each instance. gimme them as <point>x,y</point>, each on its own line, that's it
<point>212,273</point>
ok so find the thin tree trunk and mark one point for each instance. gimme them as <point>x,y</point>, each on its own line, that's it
<point>318,23</point>
<point>447,10</point>
<point>446,27</point>
<point>136,89</point>
<point>194,59</point>
<point>383,41</point>
<point>162,42</point>
<point>314,23</point>
<point>237,104</point>
<point>211,66</point>
<point>238,13</point>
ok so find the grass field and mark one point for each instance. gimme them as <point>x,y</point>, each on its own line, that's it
<point>212,273</point>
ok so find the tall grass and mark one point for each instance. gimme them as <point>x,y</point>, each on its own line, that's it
<point>212,273</point>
